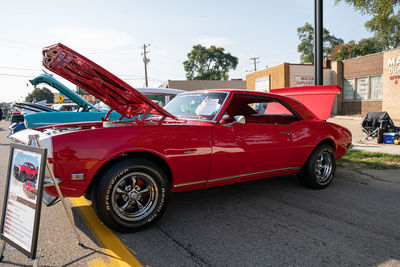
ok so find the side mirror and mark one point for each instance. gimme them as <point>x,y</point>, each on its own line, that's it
<point>239,119</point>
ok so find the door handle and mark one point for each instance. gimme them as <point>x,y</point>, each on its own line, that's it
<point>286,132</point>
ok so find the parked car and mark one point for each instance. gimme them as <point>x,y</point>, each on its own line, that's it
<point>30,189</point>
<point>86,111</point>
<point>26,171</point>
<point>200,139</point>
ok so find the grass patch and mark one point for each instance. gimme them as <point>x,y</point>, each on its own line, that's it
<point>355,159</point>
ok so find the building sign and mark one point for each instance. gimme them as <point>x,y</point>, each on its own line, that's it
<point>262,84</point>
<point>23,198</point>
<point>394,69</point>
<point>304,80</point>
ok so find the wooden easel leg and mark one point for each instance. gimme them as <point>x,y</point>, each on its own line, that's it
<point>2,248</point>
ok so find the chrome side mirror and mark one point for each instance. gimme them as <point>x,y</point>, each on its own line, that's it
<point>240,119</point>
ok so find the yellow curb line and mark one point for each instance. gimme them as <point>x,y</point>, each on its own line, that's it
<point>119,255</point>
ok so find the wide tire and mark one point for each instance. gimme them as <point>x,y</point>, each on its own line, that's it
<point>319,169</point>
<point>132,195</point>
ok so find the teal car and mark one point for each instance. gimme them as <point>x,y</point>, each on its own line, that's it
<point>86,111</point>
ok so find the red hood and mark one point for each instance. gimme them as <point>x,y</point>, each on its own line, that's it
<point>318,99</point>
<point>97,81</point>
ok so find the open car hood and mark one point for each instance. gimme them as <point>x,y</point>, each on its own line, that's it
<point>34,107</point>
<point>47,79</point>
<point>318,99</point>
<point>111,90</point>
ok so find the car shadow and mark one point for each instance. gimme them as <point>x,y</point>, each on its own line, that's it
<point>272,222</point>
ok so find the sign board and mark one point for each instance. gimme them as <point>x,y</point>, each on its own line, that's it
<point>348,89</point>
<point>262,84</point>
<point>304,80</point>
<point>23,198</point>
<point>60,99</point>
<point>362,88</point>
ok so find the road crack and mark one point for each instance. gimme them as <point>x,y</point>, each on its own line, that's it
<point>195,257</point>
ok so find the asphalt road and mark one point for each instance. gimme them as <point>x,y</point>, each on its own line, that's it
<point>273,222</point>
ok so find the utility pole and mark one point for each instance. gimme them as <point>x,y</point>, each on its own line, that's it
<point>318,42</point>
<point>255,62</point>
<point>146,61</point>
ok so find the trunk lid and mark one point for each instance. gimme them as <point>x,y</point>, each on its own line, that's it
<point>318,99</point>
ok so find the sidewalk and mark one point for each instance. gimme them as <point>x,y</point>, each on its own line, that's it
<point>354,125</point>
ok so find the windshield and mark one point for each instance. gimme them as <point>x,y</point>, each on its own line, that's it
<point>198,106</point>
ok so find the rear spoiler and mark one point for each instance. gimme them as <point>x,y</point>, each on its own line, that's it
<point>318,99</point>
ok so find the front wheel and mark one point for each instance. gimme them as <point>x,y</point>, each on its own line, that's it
<point>132,195</point>
<point>318,171</point>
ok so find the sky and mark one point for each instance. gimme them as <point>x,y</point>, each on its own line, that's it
<point>112,33</point>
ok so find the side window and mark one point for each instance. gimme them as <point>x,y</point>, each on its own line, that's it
<point>259,110</point>
<point>270,111</point>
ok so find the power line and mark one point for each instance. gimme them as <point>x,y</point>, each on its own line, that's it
<point>17,68</point>
<point>16,75</point>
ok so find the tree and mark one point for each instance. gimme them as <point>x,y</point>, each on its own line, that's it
<point>385,23</point>
<point>353,49</point>
<point>386,30</point>
<point>306,46</point>
<point>209,63</point>
<point>39,94</point>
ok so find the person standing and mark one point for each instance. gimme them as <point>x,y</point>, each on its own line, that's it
<point>5,113</point>
<point>1,114</point>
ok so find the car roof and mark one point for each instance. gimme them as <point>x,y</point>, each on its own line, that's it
<point>163,91</point>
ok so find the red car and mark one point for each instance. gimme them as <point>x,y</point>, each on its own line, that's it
<point>25,171</point>
<point>30,189</point>
<point>200,139</point>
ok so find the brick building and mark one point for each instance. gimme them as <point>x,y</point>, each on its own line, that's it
<point>369,83</point>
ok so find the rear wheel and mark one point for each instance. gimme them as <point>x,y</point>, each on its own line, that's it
<point>132,195</point>
<point>318,171</point>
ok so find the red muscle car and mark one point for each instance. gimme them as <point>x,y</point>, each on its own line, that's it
<point>30,189</point>
<point>25,171</point>
<point>200,139</point>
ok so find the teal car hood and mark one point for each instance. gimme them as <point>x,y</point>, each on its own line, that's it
<point>47,79</point>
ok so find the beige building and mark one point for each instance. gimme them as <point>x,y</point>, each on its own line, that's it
<point>369,83</point>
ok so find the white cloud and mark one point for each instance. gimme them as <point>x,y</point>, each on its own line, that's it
<point>217,41</point>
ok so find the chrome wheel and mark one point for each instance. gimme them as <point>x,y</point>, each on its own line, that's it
<point>323,167</point>
<point>134,196</point>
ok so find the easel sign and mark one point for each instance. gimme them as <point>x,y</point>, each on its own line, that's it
<point>23,198</point>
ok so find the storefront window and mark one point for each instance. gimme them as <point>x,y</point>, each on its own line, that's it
<point>362,88</point>
<point>348,89</point>
<point>375,89</point>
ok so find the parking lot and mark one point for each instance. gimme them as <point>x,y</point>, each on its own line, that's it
<point>273,222</point>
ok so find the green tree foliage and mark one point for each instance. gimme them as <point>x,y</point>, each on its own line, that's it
<point>306,46</point>
<point>385,23</point>
<point>386,30</point>
<point>353,49</point>
<point>209,63</point>
<point>39,94</point>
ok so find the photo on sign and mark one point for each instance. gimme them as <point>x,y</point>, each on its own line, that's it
<point>23,196</point>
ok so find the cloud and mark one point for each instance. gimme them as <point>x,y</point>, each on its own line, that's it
<point>91,39</point>
<point>217,41</point>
